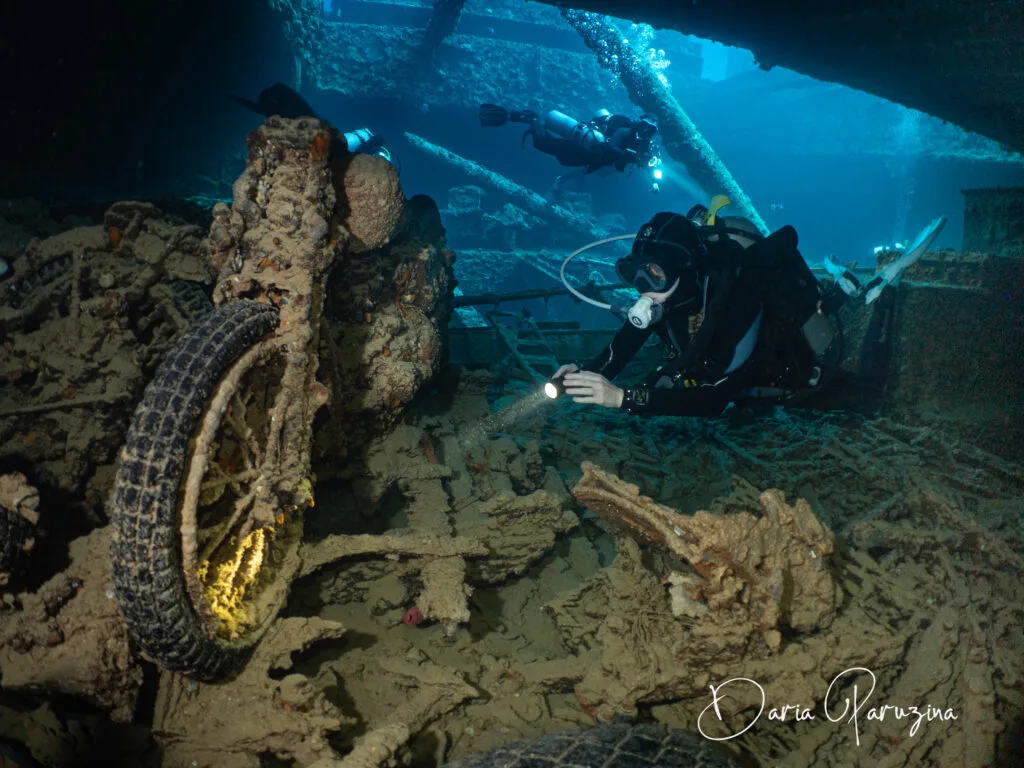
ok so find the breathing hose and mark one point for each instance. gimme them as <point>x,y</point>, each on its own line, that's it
<point>577,252</point>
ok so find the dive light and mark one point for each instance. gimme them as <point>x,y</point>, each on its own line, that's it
<point>554,388</point>
<point>656,173</point>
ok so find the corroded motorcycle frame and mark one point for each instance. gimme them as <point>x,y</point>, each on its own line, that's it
<point>208,502</point>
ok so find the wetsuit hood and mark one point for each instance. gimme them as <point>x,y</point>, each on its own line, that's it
<point>667,248</point>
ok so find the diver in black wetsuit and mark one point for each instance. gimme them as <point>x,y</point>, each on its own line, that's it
<point>742,316</point>
<point>606,140</point>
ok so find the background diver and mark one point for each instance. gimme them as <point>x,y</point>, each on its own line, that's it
<point>742,315</point>
<point>281,100</point>
<point>605,141</point>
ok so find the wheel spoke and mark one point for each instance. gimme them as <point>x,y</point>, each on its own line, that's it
<point>216,484</point>
<point>220,532</point>
<point>246,439</point>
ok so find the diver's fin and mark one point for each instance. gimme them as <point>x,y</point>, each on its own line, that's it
<point>843,276</point>
<point>492,116</point>
<point>248,104</point>
<point>890,275</point>
<point>279,99</point>
<point>718,202</point>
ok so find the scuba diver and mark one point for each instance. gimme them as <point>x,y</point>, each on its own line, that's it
<point>743,317</point>
<point>605,141</point>
<point>283,101</point>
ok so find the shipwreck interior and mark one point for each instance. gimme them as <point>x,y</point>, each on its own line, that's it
<point>279,482</point>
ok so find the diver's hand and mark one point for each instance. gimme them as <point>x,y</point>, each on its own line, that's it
<point>567,368</point>
<point>592,389</point>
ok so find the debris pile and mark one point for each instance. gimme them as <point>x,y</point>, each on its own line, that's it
<point>766,572</point>
<point>697,609</point>
<point>86,318</point>
<point>67,640</point>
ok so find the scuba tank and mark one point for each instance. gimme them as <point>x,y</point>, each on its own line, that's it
<point>583,135</point>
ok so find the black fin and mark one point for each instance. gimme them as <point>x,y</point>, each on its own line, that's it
<point>280,100</point>
<point>492,116</point>
<point>248,104</point>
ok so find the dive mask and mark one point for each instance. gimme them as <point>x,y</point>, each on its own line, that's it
<point>666,252</point>
<point>643,277</point>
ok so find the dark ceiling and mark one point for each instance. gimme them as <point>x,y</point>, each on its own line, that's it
<point>111,93</point>
<point>959,60</point>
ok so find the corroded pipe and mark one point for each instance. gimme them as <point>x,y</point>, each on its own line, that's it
<point>679,135</point>
<point>443,22</point>
<point>528,198</point>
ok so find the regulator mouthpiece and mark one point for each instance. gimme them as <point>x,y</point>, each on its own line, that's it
<point>645,312</point>
<point>554,388</point>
